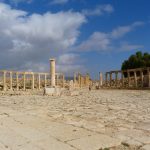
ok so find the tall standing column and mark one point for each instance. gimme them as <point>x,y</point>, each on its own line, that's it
<point>17,84</point>
<point>39,81</point>
<point>100,79</point>
<point>32,87</point>
<point>135,78</point>
<point>24,81</point>
<point>52,72</point>
<point>10,80</point>
<point>4,81</point>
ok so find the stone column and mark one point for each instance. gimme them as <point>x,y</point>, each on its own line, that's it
<point>57,79</point>
<point>17,84</point>
<point>79,82</point>
<point>148,73</point>
<point>45,79</point>
<point>87,79</point>
<point>141,72</point>
<point>63,80</point>
<point>74,78</point>
<point>52,72</point>
<point>10,80</point>
<point>135,78</point>
<point>4,81</point>
<point>122,78</point>
<point>39,81</point>
<point>32,86</point>
<point>116,78</point>
<point>24,81</point>
<point>106,80</point>
<point>100,79</point>
<point>110,74</point>
<point>128,78</point>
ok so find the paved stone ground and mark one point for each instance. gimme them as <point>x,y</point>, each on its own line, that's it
<point>104,119</point>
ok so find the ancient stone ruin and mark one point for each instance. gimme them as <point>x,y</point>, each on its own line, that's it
<point>132,78</point>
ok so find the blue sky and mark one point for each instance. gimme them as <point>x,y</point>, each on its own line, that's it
<point>83,35</point>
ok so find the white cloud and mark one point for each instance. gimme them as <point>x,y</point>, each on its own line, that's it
<point>27,41</point>
<point>128,47</point>
<point>59,1</point>
<point>121,31</point>
<point>97,41</point>
<point>69,63</point>
<point>100,41</point>
<point>99,10</point>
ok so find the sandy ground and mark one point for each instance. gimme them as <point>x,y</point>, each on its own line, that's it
<point>103,119</point>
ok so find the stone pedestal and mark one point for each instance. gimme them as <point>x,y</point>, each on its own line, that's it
<point>52,91</point>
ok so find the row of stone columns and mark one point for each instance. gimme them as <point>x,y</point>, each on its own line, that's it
<point>24,80</point>
<point>80,80</point>
<point>128,72</point>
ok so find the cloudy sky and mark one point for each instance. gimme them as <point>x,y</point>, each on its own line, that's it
<point>83,35</point>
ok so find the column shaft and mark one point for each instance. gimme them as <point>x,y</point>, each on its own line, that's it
<point>63,80</point>
<point>17,84</point>
<point>106,80</point>
<point>135,78</point>
<point>39,81</point>
<point>45,79</point>
<point>116,78</point>
<point>10,80</point>
<point>32,87</point>
<point>128,78</point>
<point>24,81</point>
<point>122,78</point>
<point>142,77</point>
<point>4,81</point>
<point>110,74</point>
<point>101,79</point>
<point>52,72</point>
<point>148,73</point>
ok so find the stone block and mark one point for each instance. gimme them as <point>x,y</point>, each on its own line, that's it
<point>52,91</point>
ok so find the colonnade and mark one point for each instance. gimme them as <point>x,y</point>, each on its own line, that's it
<point>81,80</point>
<point>139,77</point>
<point>13,80</point>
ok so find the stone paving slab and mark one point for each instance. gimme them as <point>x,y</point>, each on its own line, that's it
<point>66,132</point>
<point>95,142</point>
<point>10,139</point>
<point>53,144</point>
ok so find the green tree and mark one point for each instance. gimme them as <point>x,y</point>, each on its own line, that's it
<point>138,60</point>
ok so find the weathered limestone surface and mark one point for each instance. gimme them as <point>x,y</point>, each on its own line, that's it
<point>52,72</point>
<point>114,119</point>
